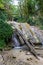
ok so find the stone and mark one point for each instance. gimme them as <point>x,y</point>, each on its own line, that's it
<point>1,60</point>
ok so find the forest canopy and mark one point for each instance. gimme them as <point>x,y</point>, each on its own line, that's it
<point>25,11</point>
<point>30,11</point>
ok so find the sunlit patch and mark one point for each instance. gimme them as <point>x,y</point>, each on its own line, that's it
<point>15,2</point>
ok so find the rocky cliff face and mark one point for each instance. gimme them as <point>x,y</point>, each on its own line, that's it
<point>38,32</point>
<point>26,29</point>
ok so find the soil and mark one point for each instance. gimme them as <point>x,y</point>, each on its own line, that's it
<point>20,57</point>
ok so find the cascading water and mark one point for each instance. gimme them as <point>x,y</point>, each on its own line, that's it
<point>16,43</point>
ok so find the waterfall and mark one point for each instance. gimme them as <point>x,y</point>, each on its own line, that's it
<point>16,43</point>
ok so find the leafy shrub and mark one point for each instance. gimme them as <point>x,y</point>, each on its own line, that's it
<point>3,15</point>
<point>5,32</point>
<point>2,44</point>
<point>41,27</point>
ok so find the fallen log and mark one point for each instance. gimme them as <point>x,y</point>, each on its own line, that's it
<point>32,50</point>
<point>20,40</point>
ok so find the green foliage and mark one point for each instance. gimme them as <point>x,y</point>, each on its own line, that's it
<point>6,9</point>
<point>40,6</point>
<point>2,44</point>
<point>41,27</point>
<point>3,15</point>
<point>31,11</point>
<point>31,21</point>
<point>5,32</point>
